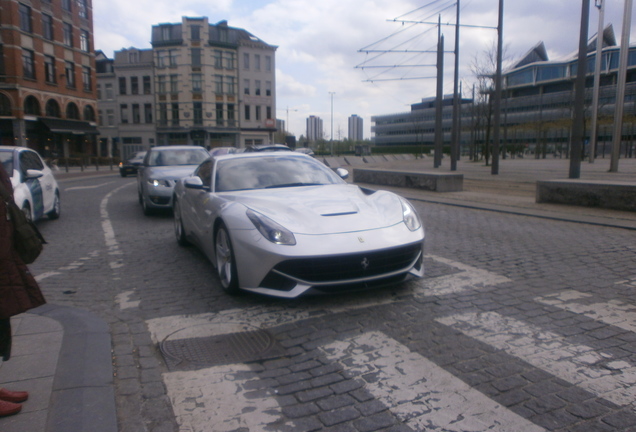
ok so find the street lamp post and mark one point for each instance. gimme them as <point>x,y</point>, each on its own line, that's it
<point>331,136</point>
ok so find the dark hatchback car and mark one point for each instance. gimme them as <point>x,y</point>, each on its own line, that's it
<point>132,164</point>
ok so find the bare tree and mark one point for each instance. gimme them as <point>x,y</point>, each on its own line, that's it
<point>483,67</point>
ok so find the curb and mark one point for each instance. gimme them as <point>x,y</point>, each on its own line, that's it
<point>83,393</point>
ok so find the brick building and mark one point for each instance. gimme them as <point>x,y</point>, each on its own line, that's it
<point>47,76</point>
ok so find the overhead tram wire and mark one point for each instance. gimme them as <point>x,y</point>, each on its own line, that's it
<point>419,8</point>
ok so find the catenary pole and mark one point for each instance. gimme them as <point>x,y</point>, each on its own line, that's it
<point>439,133</point>
<point>494,169</point>
<point>600,4</point>
<point>620,87</point>
<point>455,130</point>
<point>578,122</point>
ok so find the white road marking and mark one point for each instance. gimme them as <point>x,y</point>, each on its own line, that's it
<point>215,399</point>
<point>123,299</point>
<point>86,187</point>
<point>72,266</point>
<point>580,365</point>
<point>418,392</point>
<point>46,275</point>
<point>613,312</point>
<point>109,233</point>
<point>470,278</point>
<point>236,320</point>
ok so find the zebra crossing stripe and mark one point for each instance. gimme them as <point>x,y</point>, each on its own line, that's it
<point>469,278</point>
<point>219,399</point>
<point>236,320</point>
<point>417,391</point>
<point>613,312</point>
<point>580,365</point>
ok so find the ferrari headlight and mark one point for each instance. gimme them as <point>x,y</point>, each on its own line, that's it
<point>411,220</point>
<point>157,183</point>
<point>271,230</point>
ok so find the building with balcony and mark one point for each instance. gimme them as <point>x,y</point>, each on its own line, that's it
<point>47,76</point>
<point>214,85</point>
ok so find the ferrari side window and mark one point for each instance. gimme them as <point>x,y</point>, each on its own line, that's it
<point>204,172</point>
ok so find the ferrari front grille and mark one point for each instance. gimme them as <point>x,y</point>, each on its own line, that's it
<point>350,267</point>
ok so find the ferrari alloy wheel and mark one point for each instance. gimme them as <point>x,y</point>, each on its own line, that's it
<point>178,225</point>
<point>225,265</point>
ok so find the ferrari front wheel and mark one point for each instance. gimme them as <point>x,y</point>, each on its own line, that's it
<point>225,263</point>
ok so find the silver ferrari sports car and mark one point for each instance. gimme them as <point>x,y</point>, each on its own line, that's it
<point>283,224</point>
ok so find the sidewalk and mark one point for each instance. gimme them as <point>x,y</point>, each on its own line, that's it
<point>513,189</point>
<point>62,355</point>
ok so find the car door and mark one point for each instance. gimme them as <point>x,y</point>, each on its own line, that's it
<point>30,161</point>
<point>193,200</point>
<point>47,182</point>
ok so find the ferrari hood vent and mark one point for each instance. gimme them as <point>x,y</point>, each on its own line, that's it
<point>339,214</point>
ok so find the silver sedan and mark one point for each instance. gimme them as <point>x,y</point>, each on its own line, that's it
<point>161,168</point>
<point>284,224</point>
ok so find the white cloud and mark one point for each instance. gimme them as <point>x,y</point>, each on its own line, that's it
<point>319,43</point>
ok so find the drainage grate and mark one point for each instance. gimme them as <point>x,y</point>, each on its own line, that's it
<point>194,353</point>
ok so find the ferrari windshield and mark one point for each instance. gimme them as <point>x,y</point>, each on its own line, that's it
<point>275,171</point>
<point>177,157</point>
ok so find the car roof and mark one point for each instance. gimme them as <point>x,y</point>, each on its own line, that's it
<point>177,147</point>
<point>14,148</point>
<point>267,147</point>
<point>261,155</point>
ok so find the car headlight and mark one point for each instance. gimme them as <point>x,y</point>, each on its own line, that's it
<point>157,183</point>
<point>271,230</point>
<point>411,220</point>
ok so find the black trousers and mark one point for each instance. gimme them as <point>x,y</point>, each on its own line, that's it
<point>5,339</point>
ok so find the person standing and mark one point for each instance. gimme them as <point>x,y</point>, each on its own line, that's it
<point>19,292</point>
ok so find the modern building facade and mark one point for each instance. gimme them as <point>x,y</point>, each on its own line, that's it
<point>356,132</point>
<point>47,76</point>
<point>417,127</point>
<point>314,129</point>
<point>537,105</point>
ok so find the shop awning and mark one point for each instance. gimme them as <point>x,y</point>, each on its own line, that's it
<point>75,127</point>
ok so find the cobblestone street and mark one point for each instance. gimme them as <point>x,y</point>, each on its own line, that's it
<point>521,324</point>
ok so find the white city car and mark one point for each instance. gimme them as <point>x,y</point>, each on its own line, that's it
<point>35,189</point>
<point>284,224</point>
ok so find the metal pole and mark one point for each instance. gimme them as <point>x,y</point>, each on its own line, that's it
<point>455,129</point>
<point>494,169</point>
<point>620,87</point>
<point>439,133</point>
<point>578,131</point>
<point>597,79</point>
<point>332,93</point>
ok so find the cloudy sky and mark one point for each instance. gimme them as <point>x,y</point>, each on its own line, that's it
<point>369,54</point>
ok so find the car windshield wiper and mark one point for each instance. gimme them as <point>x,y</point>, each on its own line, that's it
<point>292,185</point>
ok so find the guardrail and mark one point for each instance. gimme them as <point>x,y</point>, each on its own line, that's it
<point>84,162</point>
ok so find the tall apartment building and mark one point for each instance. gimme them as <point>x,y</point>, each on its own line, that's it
<point>314,128</point>
<point>356,132</point>
<point>47,76</point>
<point>214,85</point>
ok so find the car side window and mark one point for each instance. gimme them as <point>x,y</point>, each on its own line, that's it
<point>30,160</point>
<point>204,172</point>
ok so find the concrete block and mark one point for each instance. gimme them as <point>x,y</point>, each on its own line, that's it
<point>354,160</point>
<point>438,182</point>
<point>604,194</point>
